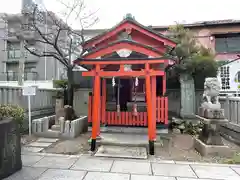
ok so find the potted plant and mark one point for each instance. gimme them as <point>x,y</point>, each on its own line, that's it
<point>11,120</point>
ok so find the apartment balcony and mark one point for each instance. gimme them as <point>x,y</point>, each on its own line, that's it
<point>26,32</point>
<point>13,76</point>
<point>13,56</point>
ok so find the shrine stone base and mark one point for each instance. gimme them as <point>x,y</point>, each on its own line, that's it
<point>210,140</point>
<point>211,113</point>
<point>205,149</point>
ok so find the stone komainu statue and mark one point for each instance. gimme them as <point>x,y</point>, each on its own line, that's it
<point>210,98</point>
<point>211,107</point>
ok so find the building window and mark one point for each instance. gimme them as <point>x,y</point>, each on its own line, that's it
<point>14,54</point>
<point>227,43</point>
<point>13,50</point>
<point>225,79</point>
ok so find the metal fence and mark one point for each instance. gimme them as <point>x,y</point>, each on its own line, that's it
<point>13,76</point>
<point>44,98</point>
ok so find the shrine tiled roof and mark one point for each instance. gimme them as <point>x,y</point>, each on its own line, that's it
<point>133,21</point>
<point>121,41</point>
<point>202,24</point>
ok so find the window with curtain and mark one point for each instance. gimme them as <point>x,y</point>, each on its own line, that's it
<point>227,43</point>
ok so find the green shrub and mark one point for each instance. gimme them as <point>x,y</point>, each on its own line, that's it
<point>186,127</point>
<point>60,84</point>
<point>14,111</point>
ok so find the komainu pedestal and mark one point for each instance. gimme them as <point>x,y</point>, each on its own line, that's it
<point>212,115</point>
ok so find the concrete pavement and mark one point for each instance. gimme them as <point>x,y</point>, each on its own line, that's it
<point>39,166</point>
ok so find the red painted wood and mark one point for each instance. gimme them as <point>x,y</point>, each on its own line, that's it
<point>158,109</point>
<point>96,104</point>
<point>162,109</point>
<point>166,111</point>
<point>121,45</point>
<point>104,93</point>
<point>122,62</point>
<point>127,118</point>
<point>119,73</point>
<point>112,35</point>
<point>153,99</point>
<point>113,118</point>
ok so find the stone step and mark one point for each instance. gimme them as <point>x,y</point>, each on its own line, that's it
<point>130,140</point>
<point>129,130</point>
<point>122,152</point>
<point>49,134</point>
<point>55,127</point>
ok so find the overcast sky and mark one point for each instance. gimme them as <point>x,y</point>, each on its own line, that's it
<point>147,12</point>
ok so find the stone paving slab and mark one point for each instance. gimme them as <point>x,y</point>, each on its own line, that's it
<point>206,164</point>
<point>31,149</point>
<point>173,170</point>
<point>48,140</point>
<point>122,152</point>
<point>236,170</point>
<point>56,162</point>
<point>211,172</point>
<point>194,179</point>
<point>124,139</point>
<point>39,144</point>
<point>90,164</point>
<point>57,174</point>
<point>132,167</point>
<point>106,176</point>
<point>27,173</point>
<point>28,160</point>
<point>144,177</point>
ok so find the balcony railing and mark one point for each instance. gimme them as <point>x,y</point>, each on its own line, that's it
<point>14,54</point>
<point>13,76</point>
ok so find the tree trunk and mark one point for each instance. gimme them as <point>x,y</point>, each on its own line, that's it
<point>70,89</point>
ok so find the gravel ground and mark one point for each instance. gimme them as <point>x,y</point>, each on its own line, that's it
<point>73,146</point>
<point>26,139</point>
<point>178,148</point>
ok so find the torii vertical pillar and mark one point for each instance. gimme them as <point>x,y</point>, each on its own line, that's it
<point>151,129</point>
<point>96,105</point>
<point>153,84</point>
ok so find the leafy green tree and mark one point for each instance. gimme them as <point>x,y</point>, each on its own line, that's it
<point>192,58</point>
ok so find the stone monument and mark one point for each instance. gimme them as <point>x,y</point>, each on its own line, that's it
<point>212,115</point>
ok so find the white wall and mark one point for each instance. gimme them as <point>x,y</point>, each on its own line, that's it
<point>234,67</point>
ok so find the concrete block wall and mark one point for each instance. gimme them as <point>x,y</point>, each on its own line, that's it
<point>71,129</point>
<point>41,125</point>
<point>68,129</point>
